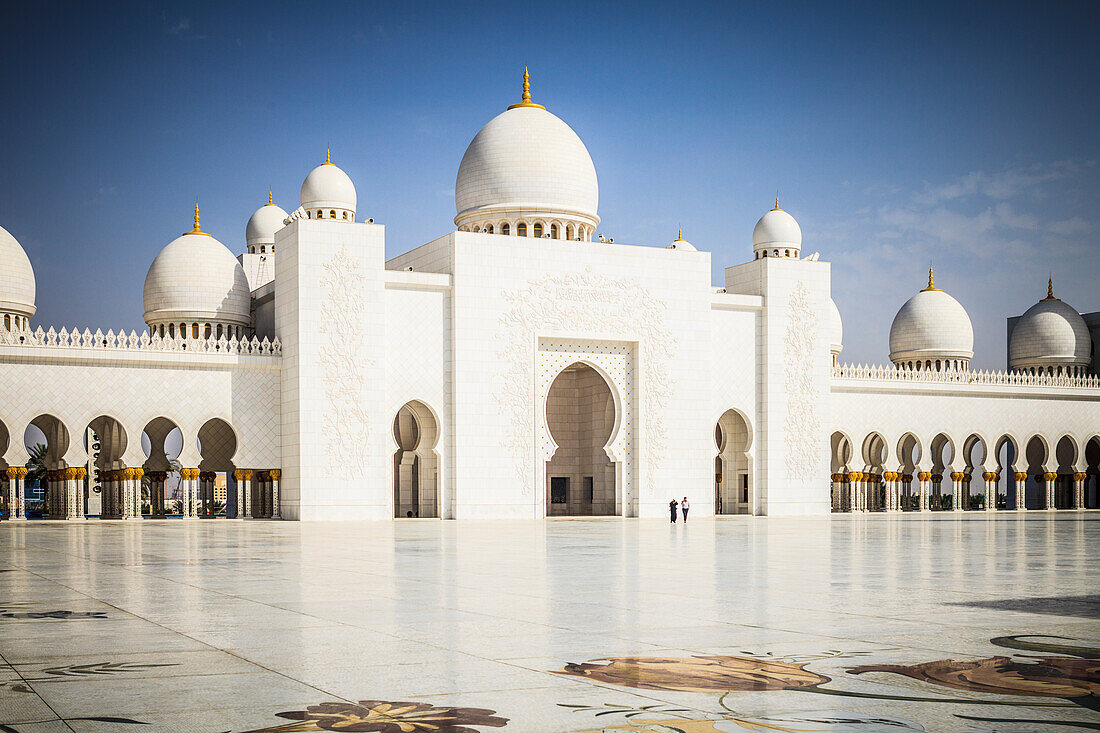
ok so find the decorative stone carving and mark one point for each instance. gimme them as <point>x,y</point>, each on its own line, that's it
<point>802,428</point>
<point>346,425</point>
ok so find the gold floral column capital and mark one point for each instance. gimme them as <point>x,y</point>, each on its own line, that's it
<point>248,472</point>
<point>12,473</point>
<point>990,476</point>
<point>1080,476</point>
<point>275,474</point>
<point>923,476</point>
<point>72,474</point>
<point>81,473</point>
<point>238,474</point>
<point>1020,476</point>
<point>138,472</point>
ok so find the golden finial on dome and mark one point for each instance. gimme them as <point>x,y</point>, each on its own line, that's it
<point>270,198</point>
<point>197,229</point>
<point>679,234</point>
<point>777,202</point>
<point>328,157</point>
<point>525,100</point>
<point>1050,289</point>
<point>931,281</point>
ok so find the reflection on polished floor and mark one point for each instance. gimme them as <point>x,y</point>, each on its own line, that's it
<point>842,623</point>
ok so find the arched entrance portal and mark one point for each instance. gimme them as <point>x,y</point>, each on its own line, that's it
<point>415,463</point>
<point>732,465</point>
<point>580,414</point>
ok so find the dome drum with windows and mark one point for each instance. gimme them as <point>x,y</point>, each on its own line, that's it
<point>526,173</point>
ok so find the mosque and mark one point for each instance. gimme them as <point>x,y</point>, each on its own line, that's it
<point>525,366</point>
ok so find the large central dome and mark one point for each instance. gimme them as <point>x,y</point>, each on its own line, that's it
<point>527,173</point>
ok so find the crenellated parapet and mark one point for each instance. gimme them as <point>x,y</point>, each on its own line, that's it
<point>140,342</point>
<point>894,374</point>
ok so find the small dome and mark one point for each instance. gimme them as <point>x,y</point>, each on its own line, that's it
<point>196,279</point>
<point>263,224</point>
<point>1051,333</point>
<point>329,188</point>
<point>835,326</point>
<point>777,230</point>
<point>17,287</point>
<point>526,162</point>
<point>931,326</point>
<point>681,243</point>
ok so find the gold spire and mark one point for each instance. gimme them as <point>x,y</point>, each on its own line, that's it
<point>525,100</point>
<point>328,157</point>
<point>1050,289</point>
<point>680,234</point>
<point>777,203</point>
<point>270,199</point>
<point>931,282</point>
<point>197,229</point>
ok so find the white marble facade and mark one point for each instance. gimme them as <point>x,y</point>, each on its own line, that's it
<point>517,368</point>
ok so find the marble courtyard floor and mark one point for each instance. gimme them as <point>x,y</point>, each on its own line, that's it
<point>845,623</point>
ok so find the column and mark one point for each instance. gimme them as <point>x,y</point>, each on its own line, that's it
<point>71,505</point>
<point>194,491</point>
<point>956,491</point>
<point>247,492</point>
<point>187,492</point>
<point>138,474</point>
<point>81,502</point>
<point>834,491</point>
<point>1079,490</point>
<point>11,474</point>
<point>1050,478</point>
<point>853,484</point>
<point>20,496</point>
<point>926,486</point>
<point>892,502</point>
<point>990,490</point>
<point>1019,490</point>
<point>238,510</point>
<point>128,487</point>
<point>907,486</point>
<point>275,473</point>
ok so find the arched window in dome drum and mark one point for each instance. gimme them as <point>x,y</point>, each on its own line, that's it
<point>345,215</point>
<point>521,229</point>
<point>320,214</point>
<point>786,253</point>
<point>505,229</point>
<point>194,330</point>
<point>553,231</point>
<point>332,213</point>
<point>490,228</point>
<point>538,230</point>
<point>219,330</point>
<point>206,331</point>
<point>171,330</point>
<point>775,253</point>
<point>764,254</point>
<point>7,323</point>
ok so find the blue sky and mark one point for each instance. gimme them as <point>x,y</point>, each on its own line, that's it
<point>897,134</point>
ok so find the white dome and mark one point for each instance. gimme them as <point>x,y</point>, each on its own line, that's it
<point>681,243</point>
<point>196,279</point>
<point>328,187</point>
<point>16,277</point>
<point>777,230</point>
<point>835,326</point>
<point>526,162</point>
<point>263,224</point>
<point>1050,333</point>
<point>931,325</point>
